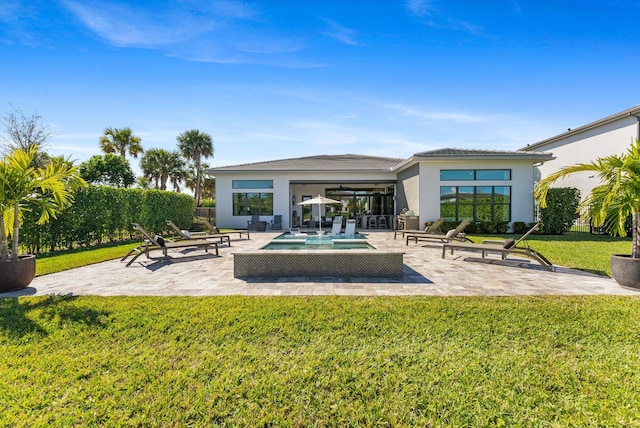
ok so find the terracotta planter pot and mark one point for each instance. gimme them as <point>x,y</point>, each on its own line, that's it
<point>16,274</point>
<point>626,270</point>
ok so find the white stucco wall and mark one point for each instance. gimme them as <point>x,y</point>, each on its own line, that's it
<point>584,147</point>
<point>522,182</point>
<point>315,184</point>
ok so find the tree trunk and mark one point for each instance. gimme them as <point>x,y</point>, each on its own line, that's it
<point>14,237</point>
<point>4,245</point>
<point>635,234</point>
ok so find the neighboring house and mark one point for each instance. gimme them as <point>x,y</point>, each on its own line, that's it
<point>457,184</point>
<point>609,136</point>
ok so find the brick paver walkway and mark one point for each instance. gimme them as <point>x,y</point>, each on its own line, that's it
<point>196,273</point>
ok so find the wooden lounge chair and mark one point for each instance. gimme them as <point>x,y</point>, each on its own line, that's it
<point>433,228</point>
<point>452,235</point>
<point>186,235</point>
<point>153,243</point>
<point>214,229</point>
<point>503,248</point>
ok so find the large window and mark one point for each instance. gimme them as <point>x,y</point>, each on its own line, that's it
<point>474,174</point>
<point>252,184</point>
<point>253,204</point>
<point>478,203</point>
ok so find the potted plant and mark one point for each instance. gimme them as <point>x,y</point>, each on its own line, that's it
<point>610,204</point>
<point>24,186</point>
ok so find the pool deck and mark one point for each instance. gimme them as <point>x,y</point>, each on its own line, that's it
<point>196,273</point>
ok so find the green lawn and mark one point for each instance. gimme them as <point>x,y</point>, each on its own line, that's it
<point>317,361</point>
<point>576,250</point>
<point>63,260</point>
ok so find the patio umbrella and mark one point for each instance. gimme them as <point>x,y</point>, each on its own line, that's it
<point>319,200</point>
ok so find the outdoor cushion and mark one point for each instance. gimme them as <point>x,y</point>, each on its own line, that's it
<point>450,233</point>
<point>160,240</point>
<point>508,243</point>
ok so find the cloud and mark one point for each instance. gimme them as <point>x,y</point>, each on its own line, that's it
<point>229,32</point>
<point>431,16</point>
<point>420,8</point>
<point>432,116</point>
<point>340,33</point>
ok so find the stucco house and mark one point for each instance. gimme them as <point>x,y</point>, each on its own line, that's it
<point>608,136</point>
<point>484,185</point>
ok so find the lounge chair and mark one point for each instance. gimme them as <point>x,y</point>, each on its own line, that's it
<point>153,243</point>
<point>214,229</point>
<point>452,235</point>
<point>336,227</point>
<point>504,248</point>
<point>186,235</point>
<point>276,224</point>
<point>433,228</point>
<point>350,228</point>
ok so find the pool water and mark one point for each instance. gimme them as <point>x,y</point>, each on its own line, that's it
<point>303,241</point>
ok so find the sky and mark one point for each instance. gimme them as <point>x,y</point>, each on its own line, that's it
<point>282,79</point>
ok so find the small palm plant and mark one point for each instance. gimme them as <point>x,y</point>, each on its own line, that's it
<point>617,197</point>
<point>24,186</point>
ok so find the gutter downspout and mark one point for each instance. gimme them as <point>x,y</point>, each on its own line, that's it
<point>638,121</point>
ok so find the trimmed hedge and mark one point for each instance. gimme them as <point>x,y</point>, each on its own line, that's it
<point>104,214</point>
<point>562,204</point>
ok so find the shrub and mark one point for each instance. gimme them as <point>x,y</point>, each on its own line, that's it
<point>104,214</point>
<point>519,227</point>
<point>558,216</point>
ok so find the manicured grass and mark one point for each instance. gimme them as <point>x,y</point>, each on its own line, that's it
<point>575,250</point>
<point>317,361</point>
<point>63,260</point>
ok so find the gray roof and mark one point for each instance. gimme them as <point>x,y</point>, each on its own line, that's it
<point>316,163</point>
<point>633,111</point>
<point>450,153</point>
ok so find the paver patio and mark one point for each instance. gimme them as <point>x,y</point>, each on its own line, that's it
<point>196,273</point>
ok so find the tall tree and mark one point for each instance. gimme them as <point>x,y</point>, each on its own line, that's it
<point>120,141</point>
<point>109,170</point>
<point>21,131</point>
<point>160,165</point>
<point>196,146</point>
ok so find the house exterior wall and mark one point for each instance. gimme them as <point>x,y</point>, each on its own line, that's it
<point>522,182</point>
<point>583,147</point>
<point>285,186</point>
<point>408,190</point>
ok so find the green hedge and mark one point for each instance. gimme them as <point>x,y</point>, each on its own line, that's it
<point>104,214</point>
<point>562,203</point>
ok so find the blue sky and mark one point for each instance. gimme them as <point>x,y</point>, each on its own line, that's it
<point>279,79</point>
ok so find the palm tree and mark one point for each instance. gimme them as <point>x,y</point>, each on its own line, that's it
<point>120,141</point>
<point>24,186</point>
<point>196,146</point>
<point>617,197</point>
<point>160,165</point>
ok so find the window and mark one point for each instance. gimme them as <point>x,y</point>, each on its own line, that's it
<point>252,204</point>
<point>252,184</point>
<point>474,174</point>
<point>478,203</point>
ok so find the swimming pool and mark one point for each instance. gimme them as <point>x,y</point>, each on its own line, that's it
<point>302,241</point>
<point>318,256</point>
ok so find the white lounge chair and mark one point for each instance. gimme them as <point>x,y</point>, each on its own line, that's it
<point>350,228</point>
<point>336,226</point>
